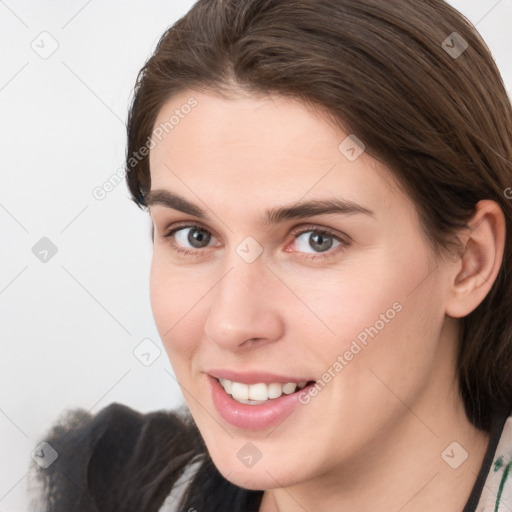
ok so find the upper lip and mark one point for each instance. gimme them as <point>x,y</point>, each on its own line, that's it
<point>254,377</point>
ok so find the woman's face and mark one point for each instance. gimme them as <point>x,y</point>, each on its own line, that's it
<point>283,256</point>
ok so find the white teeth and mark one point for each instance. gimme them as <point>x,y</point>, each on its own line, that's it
<point>258,391</point>
<point>252,402</point>
<point>239,391</point>
<point>289,388</point>
<point>275,390</point>
<point>255,394</point>
<point>226,384</point>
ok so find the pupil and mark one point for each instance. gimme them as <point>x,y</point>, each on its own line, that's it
<point>197,236</point>
<point>320,242</point>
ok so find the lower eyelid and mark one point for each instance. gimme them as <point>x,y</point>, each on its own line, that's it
<point>331,252</point>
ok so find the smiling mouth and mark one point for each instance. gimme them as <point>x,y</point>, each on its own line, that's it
<point>260,393</point>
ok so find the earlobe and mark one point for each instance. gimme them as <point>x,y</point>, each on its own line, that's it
<point>481,260</point>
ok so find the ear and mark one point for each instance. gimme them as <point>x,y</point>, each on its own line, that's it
<point>476,271</point>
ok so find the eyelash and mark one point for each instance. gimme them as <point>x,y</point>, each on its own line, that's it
<point>344,243</point>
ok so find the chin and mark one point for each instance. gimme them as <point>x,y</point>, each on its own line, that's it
<point>260,476</point>
<point>252,481</point>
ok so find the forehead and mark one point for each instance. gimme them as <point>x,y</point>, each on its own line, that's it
<point>258,149</point>
<point>273,123</point>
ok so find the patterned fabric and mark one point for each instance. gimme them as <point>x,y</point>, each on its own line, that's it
<point>497,491</point>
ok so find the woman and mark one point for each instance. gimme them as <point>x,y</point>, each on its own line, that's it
<point>329,185</point>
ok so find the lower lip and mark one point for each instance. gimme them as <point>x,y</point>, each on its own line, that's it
<point>252,417</point>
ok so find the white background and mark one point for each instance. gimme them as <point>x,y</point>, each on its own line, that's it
<point>68,327</point>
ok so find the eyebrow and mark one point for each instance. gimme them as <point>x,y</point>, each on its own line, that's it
<point>272,216</point>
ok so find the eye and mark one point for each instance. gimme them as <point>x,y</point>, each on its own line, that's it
<point>196,236</point>
<point>318,240</point>
<point>191,239</point>
<point>188,239</point>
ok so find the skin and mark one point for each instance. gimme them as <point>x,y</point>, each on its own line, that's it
<point>372,439</point>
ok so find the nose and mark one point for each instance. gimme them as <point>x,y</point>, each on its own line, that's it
<point>244,308</point>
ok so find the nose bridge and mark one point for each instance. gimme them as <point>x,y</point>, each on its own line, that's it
<point>242,306</point>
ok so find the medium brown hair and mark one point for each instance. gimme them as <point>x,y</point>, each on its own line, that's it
<point>441,122</point>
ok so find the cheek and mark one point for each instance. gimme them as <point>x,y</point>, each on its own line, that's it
<point>378,309</point>
<point>388,323</point>
<point>340,305</point>
<point>175,301</point>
